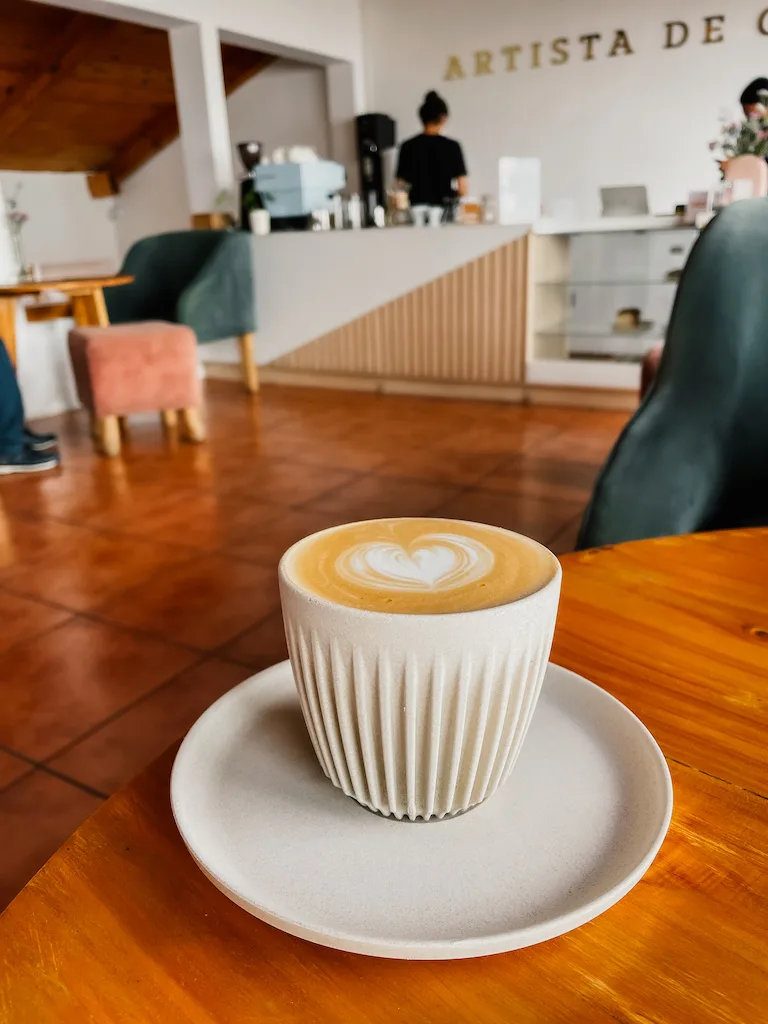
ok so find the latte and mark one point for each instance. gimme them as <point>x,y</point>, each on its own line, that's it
<point>419,566</point>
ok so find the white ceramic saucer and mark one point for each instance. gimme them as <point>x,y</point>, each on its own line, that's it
<point>573,829</point>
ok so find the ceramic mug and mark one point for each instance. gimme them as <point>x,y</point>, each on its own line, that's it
<point>418,716</point>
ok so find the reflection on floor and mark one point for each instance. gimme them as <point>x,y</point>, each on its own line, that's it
<point>133,592</point>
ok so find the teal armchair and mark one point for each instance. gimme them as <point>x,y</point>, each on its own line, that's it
<point>695,454</point>
<point>203,279</point>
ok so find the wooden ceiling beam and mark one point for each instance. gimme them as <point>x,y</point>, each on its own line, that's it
<point>162,129</point>
<point>153,136</point>
<point>58,59</point>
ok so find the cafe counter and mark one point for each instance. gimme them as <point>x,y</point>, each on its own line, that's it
<point>486,311</point>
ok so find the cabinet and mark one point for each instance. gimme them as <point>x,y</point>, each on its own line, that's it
<point>601,295</point>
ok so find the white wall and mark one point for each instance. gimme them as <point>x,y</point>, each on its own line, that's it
<point>283,105</point>
<point>644,118</point>
<point>65,227</point>
<point>65,224</point>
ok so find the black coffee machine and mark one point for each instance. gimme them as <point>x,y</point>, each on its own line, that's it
<point>375,135</point>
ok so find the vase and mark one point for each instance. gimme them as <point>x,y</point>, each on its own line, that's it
<point>748,175</point>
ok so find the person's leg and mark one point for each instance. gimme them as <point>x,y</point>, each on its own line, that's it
<point>16,455</point>
<point>11,406</point>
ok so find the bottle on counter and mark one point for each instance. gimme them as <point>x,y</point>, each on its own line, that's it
<point>338,212</point>
<point>355,211</point>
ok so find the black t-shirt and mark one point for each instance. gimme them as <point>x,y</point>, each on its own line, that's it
<point>429,163</point>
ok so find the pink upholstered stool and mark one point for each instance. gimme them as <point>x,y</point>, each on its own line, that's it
<point>130,368</point>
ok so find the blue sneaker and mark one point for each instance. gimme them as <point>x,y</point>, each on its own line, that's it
<point>37,442</point>
<point>26,461</point>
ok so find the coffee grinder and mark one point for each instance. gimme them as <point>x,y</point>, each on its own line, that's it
<point>250,154</point>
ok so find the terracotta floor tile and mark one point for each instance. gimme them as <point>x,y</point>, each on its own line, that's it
<point>261,646</point>
<point>21,619</point>
<point>267,544</point>
<point>201,519</point>
<point>77,495</point>
<point>347,453</point>
<point>37,814</point>
<point>499,438</point>
<point>586,443</point>
<point>441,466</point>
<point>12,768</point>
<point>285,483</point>
<point>76,567</point>
<point>203,603</point>
<point>57,686</point>
<point>118,751</point>
<point>534,517</point>
<point>544,478</point>
<point>374,497</point>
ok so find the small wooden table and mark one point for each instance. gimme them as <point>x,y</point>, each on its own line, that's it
<point>85,303</point>
<point>120,925</point>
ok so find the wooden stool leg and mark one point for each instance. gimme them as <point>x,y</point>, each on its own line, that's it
<point>123,423</point>
<point>247,362</point>
<point>192,428</point>
<point>169,417</point>
<point>107,430</point>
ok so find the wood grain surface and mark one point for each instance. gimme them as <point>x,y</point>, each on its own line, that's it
<point>83,92</point>
<point>81,285</point>
<point>120,926</point>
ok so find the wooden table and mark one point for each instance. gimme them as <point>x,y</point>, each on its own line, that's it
<point>120,926</point>
<point>85,303</point>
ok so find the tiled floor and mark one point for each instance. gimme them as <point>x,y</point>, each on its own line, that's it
<point>133,592</point>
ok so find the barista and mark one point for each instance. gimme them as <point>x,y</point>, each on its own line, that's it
<point>430,163</point>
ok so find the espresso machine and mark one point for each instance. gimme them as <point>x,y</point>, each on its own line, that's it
<point>290,192</point>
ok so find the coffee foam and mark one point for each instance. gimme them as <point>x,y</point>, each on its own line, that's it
<point>419,566</point>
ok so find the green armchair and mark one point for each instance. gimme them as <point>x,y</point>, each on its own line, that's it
<point>695,454</point>
<point>203,279</point>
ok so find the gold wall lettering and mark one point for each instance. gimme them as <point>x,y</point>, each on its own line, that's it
<point>589,44</point>
<point>677,35</point>
<point>762,22</point>
<point>713,28</point>
<point>511,52</point>
<point>560,53</point>
<point>674,35</point>
<point>620,45</point>
<point>454,69</point>
<point>483,62</point>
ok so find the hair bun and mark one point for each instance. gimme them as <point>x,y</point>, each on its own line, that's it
<point>431,96</point>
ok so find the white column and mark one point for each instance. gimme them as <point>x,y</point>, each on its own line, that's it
<point>202,105</point>
<point>345,98</point>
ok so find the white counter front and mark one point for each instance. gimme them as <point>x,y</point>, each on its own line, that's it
<point>310,283</point>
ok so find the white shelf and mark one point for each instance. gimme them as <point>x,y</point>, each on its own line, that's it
<point>583,373</point>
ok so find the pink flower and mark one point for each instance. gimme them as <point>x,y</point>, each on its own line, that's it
<point>713,146</point>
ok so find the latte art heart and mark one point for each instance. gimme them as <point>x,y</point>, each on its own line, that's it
<point>434,562</point>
